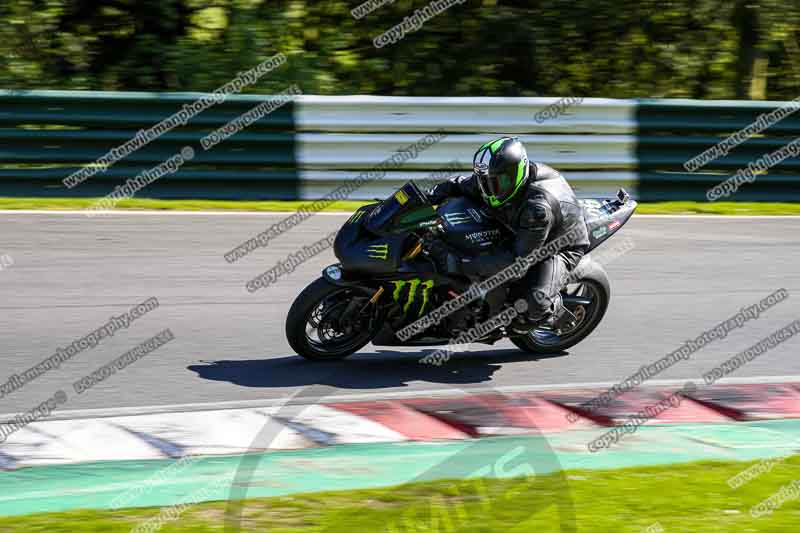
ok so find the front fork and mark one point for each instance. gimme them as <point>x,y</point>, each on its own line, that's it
<point>334,275</point>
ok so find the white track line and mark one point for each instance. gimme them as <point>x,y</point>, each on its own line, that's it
<point>422,393</point>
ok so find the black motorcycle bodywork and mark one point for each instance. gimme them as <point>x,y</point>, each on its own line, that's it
<point>388,278</point>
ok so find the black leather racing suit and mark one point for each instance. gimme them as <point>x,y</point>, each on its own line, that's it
<point>543,211</point>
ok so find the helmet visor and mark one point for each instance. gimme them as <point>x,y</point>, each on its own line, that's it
<point>500,185</point>
<point>497,187</point>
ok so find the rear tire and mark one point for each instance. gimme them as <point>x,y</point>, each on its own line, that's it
<point>595,281</point>
<point>309,309</point>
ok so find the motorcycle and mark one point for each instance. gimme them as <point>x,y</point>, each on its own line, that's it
<point>387,279</point>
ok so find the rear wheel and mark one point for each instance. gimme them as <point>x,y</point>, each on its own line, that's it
<point>325,321</point>
<point>587,299</point>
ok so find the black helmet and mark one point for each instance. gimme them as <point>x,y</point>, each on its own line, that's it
<point>502,168</point>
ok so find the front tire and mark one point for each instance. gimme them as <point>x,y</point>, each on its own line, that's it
<point>593,284</point>
<point>319,329</point>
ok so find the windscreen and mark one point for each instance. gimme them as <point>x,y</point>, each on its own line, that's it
<point>406,207</point>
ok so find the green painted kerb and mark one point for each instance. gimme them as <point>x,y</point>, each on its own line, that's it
<point>57,488</point>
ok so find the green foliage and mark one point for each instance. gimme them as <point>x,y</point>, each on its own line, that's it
<point>607,48</point>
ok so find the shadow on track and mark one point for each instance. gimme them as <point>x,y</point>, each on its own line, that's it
<point>363,371</point>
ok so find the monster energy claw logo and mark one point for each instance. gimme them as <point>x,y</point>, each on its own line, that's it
<point>413,284</point>
<point>475,214</point>
<point>378,251</point>
<point>454,219</point>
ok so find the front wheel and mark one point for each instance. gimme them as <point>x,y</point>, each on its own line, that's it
<point>587,298</point>
<point>326,321</point>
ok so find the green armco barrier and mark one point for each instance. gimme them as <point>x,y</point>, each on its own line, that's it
<point>704,116</point>
<point>45,136</point>
<point>671,132</point>
<point>127,109</point>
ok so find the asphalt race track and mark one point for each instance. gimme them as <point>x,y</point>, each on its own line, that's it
<point>71,273</point>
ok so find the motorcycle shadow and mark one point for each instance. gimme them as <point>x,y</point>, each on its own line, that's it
<point>364,370</point>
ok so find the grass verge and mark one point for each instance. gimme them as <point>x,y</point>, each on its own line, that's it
<point>654,208</point>
<point>691,497</point>
<point>719,208</point>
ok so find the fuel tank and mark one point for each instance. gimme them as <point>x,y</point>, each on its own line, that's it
<point>467,226</point>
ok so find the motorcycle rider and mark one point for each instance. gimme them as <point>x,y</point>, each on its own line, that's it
<point>535,203</point>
